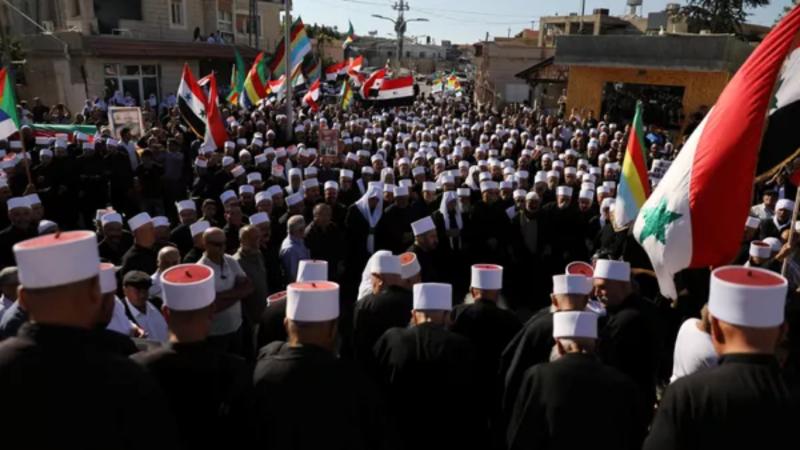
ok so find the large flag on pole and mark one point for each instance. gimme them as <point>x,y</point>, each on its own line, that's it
<point>9,120</point>
<point>634,184</point>
<point>254,87</point>
<point>312,96</point>
<point>215,135</point>
<point>695,216</point>
<point>347,95</point>
<point>350,36</point>
<point>192,102</point>
<point>238,75</point>
<point>299,47</point>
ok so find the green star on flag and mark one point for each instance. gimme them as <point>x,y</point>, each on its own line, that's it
<point>656,220</point>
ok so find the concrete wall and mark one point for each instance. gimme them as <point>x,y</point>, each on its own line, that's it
<point>585,86</point>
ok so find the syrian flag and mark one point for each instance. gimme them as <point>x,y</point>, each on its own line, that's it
<point>333,71</point>
<point>372,85</point>
<point>192,102</point>
<point>394,88</point>
<point>696,215</point>
<point>215,134</point>
<point>312,96</point>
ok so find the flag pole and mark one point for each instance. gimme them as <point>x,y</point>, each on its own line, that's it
<point>287,27</point>
<point>785,265</point>
<point>26,159</point>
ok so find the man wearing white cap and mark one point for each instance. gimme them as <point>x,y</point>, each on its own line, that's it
<point>181,235</point>
<point>142,255</point>
<point>207,389</point>
<point>534,343</point>
<point>302,386</point>
<point>361,224</point>
<point>19,215</point>
<point>782,220</point>
<point>426,242</point>
<point>388,305</point>
<point>426,360</point>
<point>576,389</point>
<point>56,359</point>
<point>628,341</point>
<point>751,230</point>
<point>198,248</point>
<point>724,405</point>
<point>115,240</point>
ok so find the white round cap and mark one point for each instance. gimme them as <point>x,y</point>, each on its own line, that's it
<point>139,220</point>
<point>752,222</point>
<point>760,249</point>
<point>409,266</point>
<point>227,196</point>
<point>612,270</point>
<point>386,263</point>
<point>315,301</point>
<point>108,278</point>
<point>580,268</point>
<point>747,296</point>
<point>188,287</point>
<point>199,227</point>
<point>575,324</point>
<point>487,276</point>
<point>185,205</point>
<point>259,218</point>
<point>160,221</point>
<point>564,190</point>
<point>57,259</point>
<point>422,226</point>
<point>312,270</point>
<point>571,285</point>
<point>110,218</point>
<point>433,296</point>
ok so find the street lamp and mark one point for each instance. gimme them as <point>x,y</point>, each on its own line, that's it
<point>400,25</point>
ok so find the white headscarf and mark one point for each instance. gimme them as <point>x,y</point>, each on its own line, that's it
<point>470,181</point>
<point>365,287</point>
<point>375,189</point>
<point>449,196</point>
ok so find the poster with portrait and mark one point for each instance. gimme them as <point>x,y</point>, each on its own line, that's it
<point>130,117</point>
<point>329,142</point>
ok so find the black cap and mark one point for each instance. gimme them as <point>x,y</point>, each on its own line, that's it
<point>137,278</point>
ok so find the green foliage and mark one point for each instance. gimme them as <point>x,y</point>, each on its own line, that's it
<point>719,16</point>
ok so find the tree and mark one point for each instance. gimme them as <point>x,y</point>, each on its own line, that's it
<point>719,16</point>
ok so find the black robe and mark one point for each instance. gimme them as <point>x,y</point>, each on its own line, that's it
<point>271,326</point>
<point>306,398</point>
<point>394,229</point>
<point>490,329</point>
<point>8,237</point>
<point>206,390</point>
<point>490,226</point>
<point>114,253</point>
<point>63,390</point>
<point>431,269</point>
<point>530,346</point>
<point>741,404</point>
<point>376,313</point>
<point>430,362</point>
<point>182,237</point>
<point>576,402</point>
<point>629,342</point>
<point>139,258</point>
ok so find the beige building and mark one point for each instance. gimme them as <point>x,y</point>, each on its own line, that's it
<point>91,48</point>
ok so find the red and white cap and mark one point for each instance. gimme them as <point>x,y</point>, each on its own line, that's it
<point>760,249</point>
<point>188,287</point>
<point>610,269</point>
<point>580,268</point>
<point>386,263</point>
<point>747,296</point>
<point>314,301</point>
<point>276,297</point>
<point>575,324</point>
<point>571,285</point>
<point>138,221</point>
<point>57,259</point>
<point>422,226</point>
<point>487,276</point>
<point>108,278</point>
<point>409,266</point>
<point>312,270</point>
<point>433,296</point>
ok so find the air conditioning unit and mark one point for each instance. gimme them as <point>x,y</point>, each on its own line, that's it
<point>48,25</point>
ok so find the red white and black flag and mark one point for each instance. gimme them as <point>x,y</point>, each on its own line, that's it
<point>192,102</point>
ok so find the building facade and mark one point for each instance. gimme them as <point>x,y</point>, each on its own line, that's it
<point>96,47</point>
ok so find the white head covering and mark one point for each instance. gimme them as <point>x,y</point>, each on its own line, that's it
<point>571,284</point>
<point>487,276</point>
<point>188,287</point>
<point>316,301</point>
<point>312,270</point>
<point>433,296</point>
<point>372,217</point>
<point>409,265</point>
<point>365,286</point>
<point>747,296</point>
<point>574,324</point>
<point>612,270</point>
<point>57,259</point>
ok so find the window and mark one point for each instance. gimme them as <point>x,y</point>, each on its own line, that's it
<point>137,80</point>
<point>177,13</point>
<point>244,24</point>
<point>421,54</point>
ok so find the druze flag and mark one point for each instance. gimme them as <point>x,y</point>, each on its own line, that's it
<point>696,215</point>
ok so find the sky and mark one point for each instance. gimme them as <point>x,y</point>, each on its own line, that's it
<point>468,21</point>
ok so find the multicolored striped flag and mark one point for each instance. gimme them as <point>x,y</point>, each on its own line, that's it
<point>311,69</point>
<point>694,217</point>
<point>238,75</point>
<point>347,95</point>
<point>299,47</point>
<point>634,184</point>
<point>350,36</point>
<point>254,86</point>
<point>9,120</point>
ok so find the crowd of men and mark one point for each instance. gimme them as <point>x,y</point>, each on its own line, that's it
<point>448,277</point>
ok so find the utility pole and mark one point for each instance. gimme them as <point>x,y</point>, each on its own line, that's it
<point>253,25</point>
<point>400,25</point>
<point>287,27</point>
